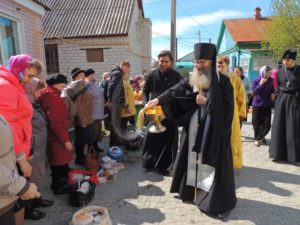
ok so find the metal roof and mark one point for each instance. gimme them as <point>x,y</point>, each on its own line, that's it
<point>247,29</point>
<point>87,18</point>
<point>41,4</point>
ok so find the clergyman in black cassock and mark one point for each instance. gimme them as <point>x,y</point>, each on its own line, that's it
<point>207,131</point>
<point>285,138</point>
<point>160,149</point>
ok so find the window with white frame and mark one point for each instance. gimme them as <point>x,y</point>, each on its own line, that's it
<point>9,39</point>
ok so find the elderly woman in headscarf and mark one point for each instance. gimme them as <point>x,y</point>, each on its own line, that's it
<point>263,92</point>
<point>59,143</point>
<point>38,148</point>
<point>15,107</point>
<point>84,119</point>
<point>70,95</point>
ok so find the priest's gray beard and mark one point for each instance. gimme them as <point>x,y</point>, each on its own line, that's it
<point>203,77</point>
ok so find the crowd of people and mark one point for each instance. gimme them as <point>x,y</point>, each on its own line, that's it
<point>41,122</point>
<point>44,122</point>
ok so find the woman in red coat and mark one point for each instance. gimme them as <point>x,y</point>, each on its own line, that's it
<point>17,110</point>
<point>59,144</point>
<point>14,105</point>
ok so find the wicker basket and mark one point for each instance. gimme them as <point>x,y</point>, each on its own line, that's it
<point>104,212</point>
<point>92,160</point>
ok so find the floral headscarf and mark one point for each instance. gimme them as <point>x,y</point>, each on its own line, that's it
<point>18,65</point>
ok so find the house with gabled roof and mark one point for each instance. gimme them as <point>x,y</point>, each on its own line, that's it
<point>21,29</point>
<point>241,40</point>
<point>96,34</point>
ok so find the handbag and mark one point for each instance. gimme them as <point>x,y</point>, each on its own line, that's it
<point>81,193</point>
<point>92,160</point>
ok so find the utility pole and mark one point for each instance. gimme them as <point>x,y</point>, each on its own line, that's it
<point>199,36</point>
<point>175,57</point>
<point>173,29</point>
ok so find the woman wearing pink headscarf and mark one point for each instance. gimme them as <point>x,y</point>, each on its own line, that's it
<point>15,107</point>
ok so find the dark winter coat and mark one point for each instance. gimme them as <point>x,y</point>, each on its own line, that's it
<point>39,134</point>
<point>116,78</point>
<point>56,111</point>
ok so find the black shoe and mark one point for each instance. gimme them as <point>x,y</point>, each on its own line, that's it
<point>34,214</point>
<point>39,202</point>
<point>164,172</point>
<point>64,189</point>
<point>264,141</point>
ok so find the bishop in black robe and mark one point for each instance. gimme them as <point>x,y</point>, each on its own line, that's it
<point>207,131</point>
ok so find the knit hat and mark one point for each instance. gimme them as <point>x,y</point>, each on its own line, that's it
<point>57,79</point>
<point>89,72</point>
<point>76,71</point>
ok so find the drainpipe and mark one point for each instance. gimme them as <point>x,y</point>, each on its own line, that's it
<point>238,54</point>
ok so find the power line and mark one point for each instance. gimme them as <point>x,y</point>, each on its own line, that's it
<point>195,20</point>
<point>150,3</point>
<point>168,36</point>
<point>189,44</point>
<point>195,38</point>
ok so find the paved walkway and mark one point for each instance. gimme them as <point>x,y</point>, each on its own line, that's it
<point>268,194</point>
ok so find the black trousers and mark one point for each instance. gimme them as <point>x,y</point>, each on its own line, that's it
<point>124,122</point>
<point>8,218</point>
<point>107,119</point>
<point>59,176</point>
<point>82,136</point>
<point>261,121</point>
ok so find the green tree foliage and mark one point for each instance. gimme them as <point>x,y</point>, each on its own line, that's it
<point>284,31</point>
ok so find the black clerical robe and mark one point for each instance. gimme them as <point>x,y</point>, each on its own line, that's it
<point>160,149</point>
<point>285,138</point>
<point>179,106</point>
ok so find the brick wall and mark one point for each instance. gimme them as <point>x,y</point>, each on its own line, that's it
<point>140,42</point>
<point>72,53</point>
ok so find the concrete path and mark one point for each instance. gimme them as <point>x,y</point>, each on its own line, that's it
<point>268,194</point>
